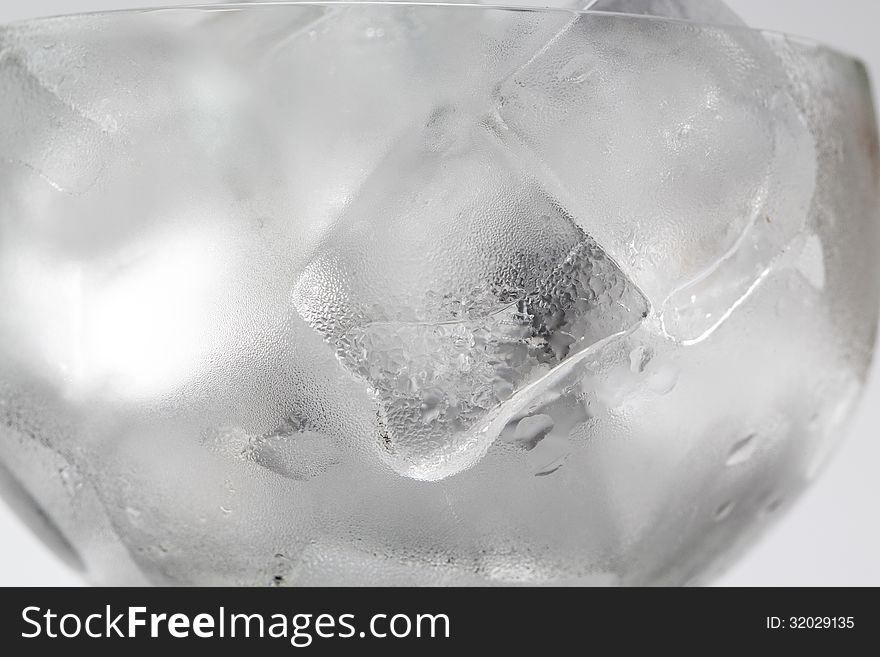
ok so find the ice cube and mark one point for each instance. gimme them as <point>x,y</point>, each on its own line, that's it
<point>703,190</point>
<point>69,156</point>
<point>713,12</point>
<point>330,145</point>
<point>451,283</point>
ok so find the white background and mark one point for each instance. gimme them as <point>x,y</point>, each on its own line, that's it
<point>830,537</point>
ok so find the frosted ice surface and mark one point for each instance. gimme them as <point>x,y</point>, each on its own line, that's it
<point>60,159</point>
<point>347,52</point>
<point>449,289</point>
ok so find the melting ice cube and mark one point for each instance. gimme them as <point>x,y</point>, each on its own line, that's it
<point>692,173</point>
<point>450,284</point>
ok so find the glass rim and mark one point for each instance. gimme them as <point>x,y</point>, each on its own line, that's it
<point>245,6</point>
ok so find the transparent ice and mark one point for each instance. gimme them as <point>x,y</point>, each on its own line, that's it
<point>352,293</point>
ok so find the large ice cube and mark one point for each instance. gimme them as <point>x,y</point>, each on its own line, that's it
<point>332,140</point>
<point>698,193</point>
<point>70,160</point>
<point>449,284</point>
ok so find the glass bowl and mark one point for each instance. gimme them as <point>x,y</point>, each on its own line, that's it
<point>327,293</point>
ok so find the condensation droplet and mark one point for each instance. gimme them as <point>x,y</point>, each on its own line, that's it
<point>578,69</point>
<point>724,510</point>
<point>552,467</point>
<point>70,480</point>
<point>531,430</point>
<point>742,450</point>
<point>773,505</point>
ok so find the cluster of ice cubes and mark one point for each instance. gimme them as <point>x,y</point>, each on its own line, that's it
<point>526,223</point>
<point>331,252</point>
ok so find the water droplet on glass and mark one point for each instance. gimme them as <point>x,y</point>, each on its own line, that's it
<point>773,505</point>
<point>551,467</point>
<point>531,430</point>
<point>578,69</point>
<point>724,510</point>
<point>742,450</point>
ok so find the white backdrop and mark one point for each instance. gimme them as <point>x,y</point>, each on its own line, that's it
<point>830,537</point>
